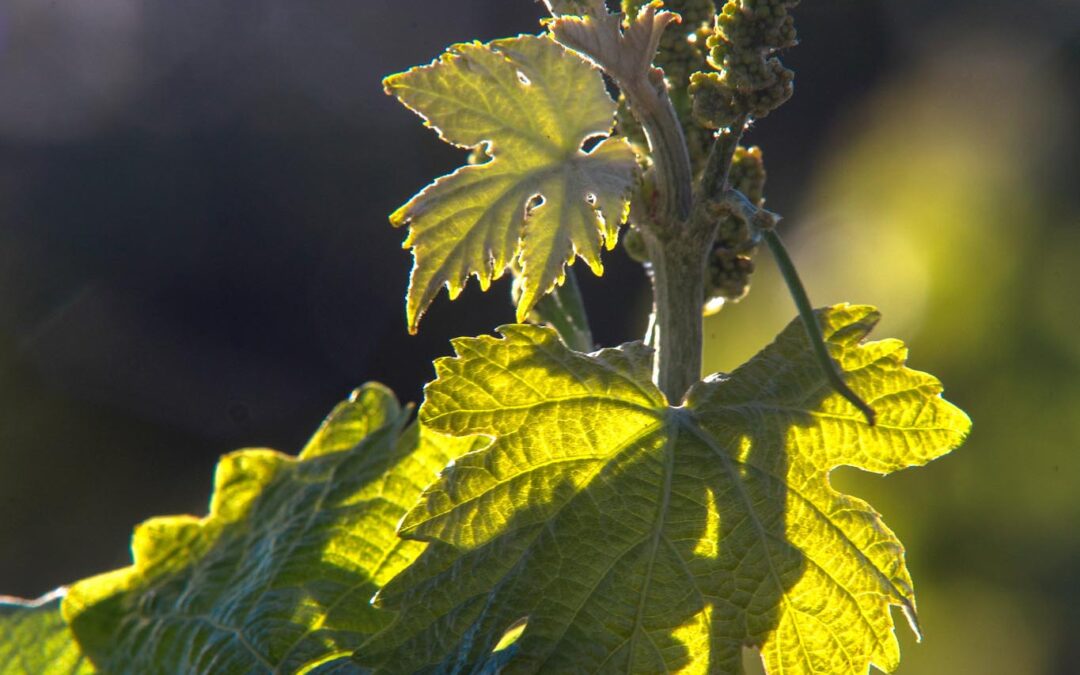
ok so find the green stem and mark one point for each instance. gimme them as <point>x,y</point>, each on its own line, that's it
<point>564,309</point>
<point>679,258</point>
<point>678,275</point>
<point>813,327</point>
<point>714,178</point>
<point>667,146</point>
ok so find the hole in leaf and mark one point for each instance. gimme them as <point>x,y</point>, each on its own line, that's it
<point>611,86</point>
<point>535,202</point>
<point>522,78</point>
<point>591,199</point>
<point>512,634</point>
<point>591,142</point>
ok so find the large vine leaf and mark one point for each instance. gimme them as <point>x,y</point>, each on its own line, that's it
<point>634,536</point>
<point>34,639</point>
<point>281,572</point>
<point>540,200</point>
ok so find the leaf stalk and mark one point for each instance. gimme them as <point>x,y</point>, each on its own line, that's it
<point>564,309</point>
<point>813,327</point>
<point>667,144</point>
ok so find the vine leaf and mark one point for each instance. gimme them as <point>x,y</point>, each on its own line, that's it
<point>631,536</point>
<point>36,640</point>
<point>281,572</point>
<point>540,200</point>
<point>625,50</point>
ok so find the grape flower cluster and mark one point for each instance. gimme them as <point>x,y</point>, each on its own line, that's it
<point>749,80</point>
<point>730,263</point>
<point>722,70</point>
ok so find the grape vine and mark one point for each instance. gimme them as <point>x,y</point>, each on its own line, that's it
<point>553,507</point>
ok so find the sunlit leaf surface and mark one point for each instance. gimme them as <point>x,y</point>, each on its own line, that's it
<point>35,640</point>
<point>632,536</point>
<point>280,573</point>
<point>540,200</point>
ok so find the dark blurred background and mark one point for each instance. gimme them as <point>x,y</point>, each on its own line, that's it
<point>195,256</point>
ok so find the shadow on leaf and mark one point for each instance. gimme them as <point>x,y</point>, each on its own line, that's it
<point>637,537</point>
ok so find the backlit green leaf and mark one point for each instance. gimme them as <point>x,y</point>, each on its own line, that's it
<point>637,537</point>
<point>280,573</point>
<point>540,200</point>
<point>34,639</point>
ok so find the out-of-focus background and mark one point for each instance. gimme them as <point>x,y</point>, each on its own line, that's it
<point>195,256</point>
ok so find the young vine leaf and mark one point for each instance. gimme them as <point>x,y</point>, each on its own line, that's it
<point>36,640</point>
<point>280,573</point>
<point>540,200</point>
<point>625,50</point>
<point>636,537</point>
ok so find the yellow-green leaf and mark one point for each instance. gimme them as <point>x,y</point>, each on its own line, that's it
<point>636,537</point>
<point>540,200</point>
<point>281,571</point>
<point>34,639</point>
